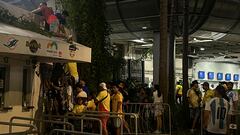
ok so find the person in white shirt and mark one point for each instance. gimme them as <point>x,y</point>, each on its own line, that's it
<point>216,113</point>
<point>158,100</point>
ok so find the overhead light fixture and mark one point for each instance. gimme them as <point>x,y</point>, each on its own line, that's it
<point>144,27</point>
<point>139,40</point>
<point>147,45</point>
<point>202,49</point>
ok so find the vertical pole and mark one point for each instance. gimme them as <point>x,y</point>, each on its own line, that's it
<point>143,71</point>
<point>163,67</point>
<point>129,68</point>
<point>185,63</point>
<point>185,51</point>
<point>171,57</point>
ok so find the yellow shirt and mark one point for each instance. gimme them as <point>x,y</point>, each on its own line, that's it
<point>194,99</point>
<point>106,101</point>
<point>117,98</point>
<point>79,108</point>
<point>72,68</point>
<point>91,105</point>
<point>208,95</point>
<point>179,89</point>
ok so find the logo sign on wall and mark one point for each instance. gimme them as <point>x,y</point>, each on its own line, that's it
<point>72,49</point>
<point>201,75</point>
<point>11,43</point>
<point>211,75</point>
<point>219,76</point>
<point>33,45</point>
<point>228,77</point>
<point>236,77</point>
<point>52,49</point>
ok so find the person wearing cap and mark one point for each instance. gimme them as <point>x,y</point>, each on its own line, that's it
<point>216,113</point>
<point>209,93</point>
<point>80,91</point>
<point>80,103</point>
<point>103,102</point>
<point>194,98</point>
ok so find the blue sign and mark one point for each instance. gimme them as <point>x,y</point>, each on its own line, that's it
<point>219,76</point>
<point>228,77</point>
<point>201,75</point>
<point>236,77</point>
<point>211,75</point>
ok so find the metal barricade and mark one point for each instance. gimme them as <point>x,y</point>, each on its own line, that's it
<point>39,120</point>
<point>66,118</point>
<point>30,126</point>
<point>70,132</point>
<point>117,115</point>
<point>146,113</point>
<point>112,115</point>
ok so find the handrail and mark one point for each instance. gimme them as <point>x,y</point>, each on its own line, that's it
<point>43,121</point>
<point>75,117</point>
<point>18,124</point>
<point>71,132</point>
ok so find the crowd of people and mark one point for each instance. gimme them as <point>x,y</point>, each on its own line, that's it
<point>218,105</point>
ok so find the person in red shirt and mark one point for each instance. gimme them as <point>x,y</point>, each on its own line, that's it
<point>46,12</point>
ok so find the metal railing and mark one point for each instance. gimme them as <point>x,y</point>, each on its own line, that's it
<point>39,120</point>
<point>70,132</point>
<point>146,113</point>
<point>30,126</point>
<point>111,115</point>
<point>66,118</point>
<point>117,115</point>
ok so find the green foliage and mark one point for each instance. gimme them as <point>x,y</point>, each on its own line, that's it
<point>87,19</point>
<point>7,18</point>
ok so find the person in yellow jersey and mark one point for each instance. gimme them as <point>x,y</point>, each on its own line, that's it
<point>103,102</point>
<point>179,93</point>
<point>91,106</point>
<point>209,93</point>
<point>80,106</point>
<point>194,98</point>
<point>71,67</point>
<point>117,102</point>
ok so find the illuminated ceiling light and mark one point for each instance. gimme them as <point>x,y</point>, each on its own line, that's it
<point>142,39</point>
<point>147,45</point>
<point>202,49</point>
<point>138,41</point>
<point>144,27</point>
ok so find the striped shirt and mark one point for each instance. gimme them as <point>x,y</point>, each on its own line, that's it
<point>219,109</point>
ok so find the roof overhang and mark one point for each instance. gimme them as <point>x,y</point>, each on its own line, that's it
<point>18,42</point>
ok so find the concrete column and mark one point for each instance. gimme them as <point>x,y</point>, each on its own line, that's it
<point>156,54</point>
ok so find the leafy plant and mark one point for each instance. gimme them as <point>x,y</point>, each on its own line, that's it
<point>87,19</point>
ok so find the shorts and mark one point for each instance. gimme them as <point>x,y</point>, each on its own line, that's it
<point>195,113</point>
<point>158,109</point>
<point>117,122</point>
<point>104,119</point>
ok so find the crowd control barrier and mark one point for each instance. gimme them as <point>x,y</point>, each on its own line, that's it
<point>32,129</point>
<point>146,121</point>
<point>39,120</point>
<point>120,116</point>
<point>83,119</point>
